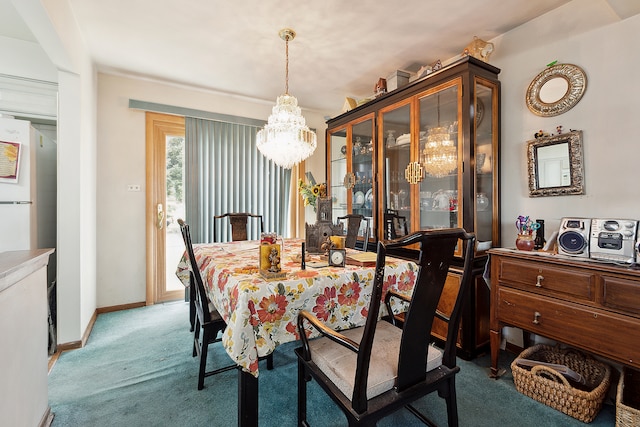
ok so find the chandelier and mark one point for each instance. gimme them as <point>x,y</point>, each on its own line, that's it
<point>439,156</point>
<point>286,139</point>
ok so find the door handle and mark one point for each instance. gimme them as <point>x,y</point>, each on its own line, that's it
<point>160,222</point>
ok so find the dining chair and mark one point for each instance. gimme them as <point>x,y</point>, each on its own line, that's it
<point>395,224</point>
<point>192,288</point>
<point>207,316</point>
<point>353,222</point>
<point>379,368</point>
<point>238,222</point>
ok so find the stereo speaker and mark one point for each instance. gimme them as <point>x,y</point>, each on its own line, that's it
<point>573,237</point>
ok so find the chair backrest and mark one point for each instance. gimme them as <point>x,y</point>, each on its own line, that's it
<point>436,254</point>
<point>238,222</point>
<point>354,222</point>
<point>395,225</point>
<point>202,301</point>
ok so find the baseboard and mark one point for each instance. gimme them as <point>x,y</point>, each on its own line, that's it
<point>47,418</point>
<point>120,307</point>
<point>512,348</point>
<point>79,344</point>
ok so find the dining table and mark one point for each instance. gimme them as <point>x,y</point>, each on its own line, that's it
<point>261,312</point>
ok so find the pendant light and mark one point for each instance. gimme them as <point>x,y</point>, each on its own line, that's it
<point>286,139</point>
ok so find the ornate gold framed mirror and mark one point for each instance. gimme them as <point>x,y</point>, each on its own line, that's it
<point>556,90</point>
<point>555,165</point>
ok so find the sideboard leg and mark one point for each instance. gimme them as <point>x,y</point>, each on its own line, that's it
<point>494,339</point>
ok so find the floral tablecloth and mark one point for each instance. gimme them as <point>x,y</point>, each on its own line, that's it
<point>261,315</point>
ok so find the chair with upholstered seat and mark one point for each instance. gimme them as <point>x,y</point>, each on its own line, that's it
<point>239,222</point>
<point>353,223</point>
<point>374,370</point>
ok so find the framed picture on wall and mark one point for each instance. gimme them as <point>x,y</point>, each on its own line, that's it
<point>9,161</point>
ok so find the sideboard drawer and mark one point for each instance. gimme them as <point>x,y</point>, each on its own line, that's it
<point>621,294</point>
<point>606,333</point>
<point>540,277</point>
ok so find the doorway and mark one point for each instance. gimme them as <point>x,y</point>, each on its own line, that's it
<point>164,205</point>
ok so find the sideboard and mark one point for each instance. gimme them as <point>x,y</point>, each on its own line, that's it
<point>589,305</point>
<point>24,338</point>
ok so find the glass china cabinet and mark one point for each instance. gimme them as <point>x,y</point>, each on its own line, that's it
<point>351,177</point>
<point>432,161</point>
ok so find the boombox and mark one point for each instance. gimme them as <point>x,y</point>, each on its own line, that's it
<point>613,240</point>
<point>573,237</point>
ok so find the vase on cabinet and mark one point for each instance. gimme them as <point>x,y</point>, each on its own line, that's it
<point>525,242</point>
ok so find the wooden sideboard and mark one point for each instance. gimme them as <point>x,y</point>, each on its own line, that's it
<point>589,305</point>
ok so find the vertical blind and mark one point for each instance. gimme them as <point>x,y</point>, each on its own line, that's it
<point>225,172</point>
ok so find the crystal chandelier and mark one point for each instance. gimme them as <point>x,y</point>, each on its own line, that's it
<point>439,157</point>
<point>286,139</point>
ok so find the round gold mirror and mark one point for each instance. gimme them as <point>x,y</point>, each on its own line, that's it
<point>556,90</point>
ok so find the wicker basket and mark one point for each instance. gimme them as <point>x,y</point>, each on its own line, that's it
<point>626,415</point>
<point>551,388</point>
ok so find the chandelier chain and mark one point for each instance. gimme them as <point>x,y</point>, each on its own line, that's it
<point>286,71</point>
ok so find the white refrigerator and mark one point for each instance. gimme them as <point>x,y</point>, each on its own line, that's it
<point>28,196</point>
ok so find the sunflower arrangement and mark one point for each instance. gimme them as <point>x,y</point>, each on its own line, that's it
<point>311,192</point>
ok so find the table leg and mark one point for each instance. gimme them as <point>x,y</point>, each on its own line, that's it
<point>247,399</point>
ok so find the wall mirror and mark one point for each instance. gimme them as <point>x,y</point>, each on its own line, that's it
<point>555,165</point>
<point>556,90</point>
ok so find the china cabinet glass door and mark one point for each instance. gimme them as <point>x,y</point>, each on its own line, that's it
<point>485,150</point>
<point>440,156</point>
<point>338,165</point>
<point>395,129</point>
<point>352,171</point>
<point>362,197</point>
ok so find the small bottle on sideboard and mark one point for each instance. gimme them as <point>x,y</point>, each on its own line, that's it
<point>539,240</point>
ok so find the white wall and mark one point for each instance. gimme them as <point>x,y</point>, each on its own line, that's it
<point>589,34</point>
<point>27,60</point>
<point>54,26</point>
<point>121,161</point>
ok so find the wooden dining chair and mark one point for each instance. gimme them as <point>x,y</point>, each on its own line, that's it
<point>395,224</point>
<point>374,370</point>
<point>354,222</point>
<point>238,222</point>
<point>207,316</point>
<point>192,288</point>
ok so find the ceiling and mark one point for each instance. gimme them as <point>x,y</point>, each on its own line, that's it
<point>341,47</point>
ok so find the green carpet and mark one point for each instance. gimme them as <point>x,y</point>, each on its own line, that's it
<point>137,370</point>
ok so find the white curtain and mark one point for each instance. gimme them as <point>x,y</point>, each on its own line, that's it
<point>225,172</point>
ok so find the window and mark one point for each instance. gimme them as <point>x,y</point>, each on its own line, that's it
<point>225,172</point>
